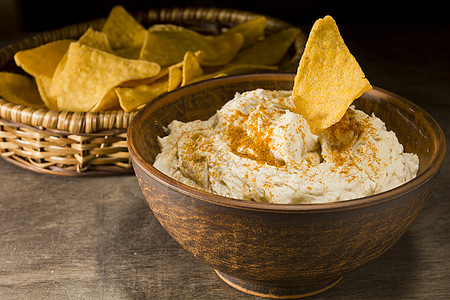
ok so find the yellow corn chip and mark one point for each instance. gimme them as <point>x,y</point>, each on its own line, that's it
<point>19,89</point>
<point>89,74</point>
<point>169,47</point>
<point>268,51</point>
<point>123,30</point>
<point>223,50</point>
<point>328,78</point>
<point>95,39</point>
<point>129,52</point>
<point>252,30</point>
<point>44,84</point>
<point>235,70</point>
<point>162,73</point>
<point>56,74</point>
<point>133,98</point>
<point>109,101</point>
<point>175,77</point>
<point>191,68</point>
<point>42,60</point>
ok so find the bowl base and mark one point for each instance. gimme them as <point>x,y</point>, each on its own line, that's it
<point>274,292</point>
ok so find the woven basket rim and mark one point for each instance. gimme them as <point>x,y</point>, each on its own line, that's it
<point>65,122</point>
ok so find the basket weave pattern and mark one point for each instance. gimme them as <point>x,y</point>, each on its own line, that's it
<point>86,143</point>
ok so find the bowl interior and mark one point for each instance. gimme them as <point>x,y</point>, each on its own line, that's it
<point>415,129</point>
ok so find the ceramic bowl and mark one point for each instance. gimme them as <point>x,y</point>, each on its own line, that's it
<point>282,250</point>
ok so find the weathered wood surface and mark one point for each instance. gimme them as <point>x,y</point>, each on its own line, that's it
<point>95,238</point>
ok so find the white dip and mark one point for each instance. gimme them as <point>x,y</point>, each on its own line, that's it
<point>256,148</point>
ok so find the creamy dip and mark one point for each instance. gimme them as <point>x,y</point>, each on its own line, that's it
<point>255,148</point>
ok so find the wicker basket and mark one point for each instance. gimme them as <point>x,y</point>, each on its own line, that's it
<point>85,143</point>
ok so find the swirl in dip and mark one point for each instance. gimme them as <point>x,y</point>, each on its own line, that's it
<point>255,148</point>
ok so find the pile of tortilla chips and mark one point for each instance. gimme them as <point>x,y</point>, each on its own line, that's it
<point>124,65</point>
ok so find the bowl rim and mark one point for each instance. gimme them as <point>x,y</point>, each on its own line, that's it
<point>415,183</point>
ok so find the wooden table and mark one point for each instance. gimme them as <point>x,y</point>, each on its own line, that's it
<point>95,238</point>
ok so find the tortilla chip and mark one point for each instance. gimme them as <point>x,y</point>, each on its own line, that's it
<point>162,73</point>
<point>44,85</point>
<point>57,74</point>
<point>224,49</point>
<point>175,77</point>
<point>19,89</point>
<point>42,60</point>
<point>252,30</point>
<point>95,39</point>
<point>133,98</point>
<point>270,50</point>
<point>123,30</point>
<point>191,68</point>
<point>89,74</point>
<point>109,101</point>
<point>169,47</point>
<point>129,52</point>
<point>235,70</point>
<point>328,78</point>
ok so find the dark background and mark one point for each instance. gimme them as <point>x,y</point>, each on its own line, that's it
<point>21,16</point>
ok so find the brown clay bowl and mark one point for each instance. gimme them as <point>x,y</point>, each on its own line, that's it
<point>278,250</point>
